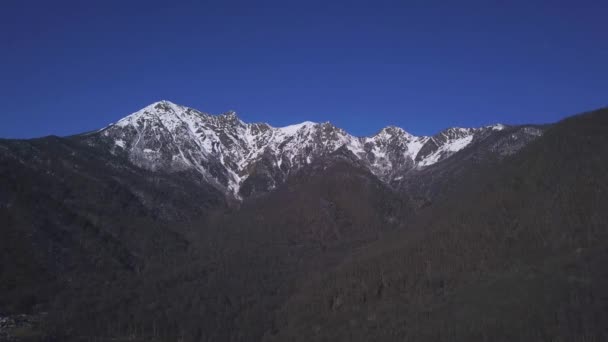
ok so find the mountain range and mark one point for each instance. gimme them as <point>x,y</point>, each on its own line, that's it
<point>176,225</point>
<point>244,159</point>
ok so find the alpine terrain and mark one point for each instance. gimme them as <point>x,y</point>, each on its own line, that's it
<point>172,224</point>
<point>243,159</point>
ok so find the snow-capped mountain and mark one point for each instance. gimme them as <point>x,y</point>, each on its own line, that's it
<point>247,158</point>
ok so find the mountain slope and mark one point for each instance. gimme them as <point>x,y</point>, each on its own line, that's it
<point>106,258</point>
<point>515,254</point>
<point>274,242</point>
<point>427,184</point>
<point>75,217</point>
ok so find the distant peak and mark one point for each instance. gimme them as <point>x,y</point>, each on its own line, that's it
<point>230,113</point>
<point>159,108</point>
<point>162,105</point>
<point>497,127</point>
<point>230,116</point>
<point>457,129</point>
<point>393,131</point>
<point>292,129</point>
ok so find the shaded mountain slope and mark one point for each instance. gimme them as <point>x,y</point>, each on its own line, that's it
<point>259,253</point>
<point>517,254</point>
<point>74,217</point>
<point>429,183</point>
<point>109,249</point>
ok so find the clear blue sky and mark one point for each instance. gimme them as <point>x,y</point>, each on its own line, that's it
<point>73,66</point>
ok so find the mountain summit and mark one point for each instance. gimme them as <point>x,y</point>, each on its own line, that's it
<point>228,152</point>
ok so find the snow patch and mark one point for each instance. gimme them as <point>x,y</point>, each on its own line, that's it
<point>293,129</point>
<point>446,150</point>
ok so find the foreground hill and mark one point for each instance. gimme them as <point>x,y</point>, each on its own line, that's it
<point>76,219</point>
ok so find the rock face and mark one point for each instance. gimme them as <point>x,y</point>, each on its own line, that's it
<point>246,159</point>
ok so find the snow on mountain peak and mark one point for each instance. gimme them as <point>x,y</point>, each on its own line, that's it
<point>393,131</point>
<point>229,114</point>
<point>162,105</point>
<point>225,150</point>
<point>292,129</point>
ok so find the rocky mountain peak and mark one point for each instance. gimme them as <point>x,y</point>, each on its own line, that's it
<point>162,106</point>
<point>227,152</point>
<point>230,116</point>
<point>393,131</point>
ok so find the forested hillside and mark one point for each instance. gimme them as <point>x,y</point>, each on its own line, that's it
<point>488,247</point>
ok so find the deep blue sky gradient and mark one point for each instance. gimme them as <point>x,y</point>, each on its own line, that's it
<point>73,66</point>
